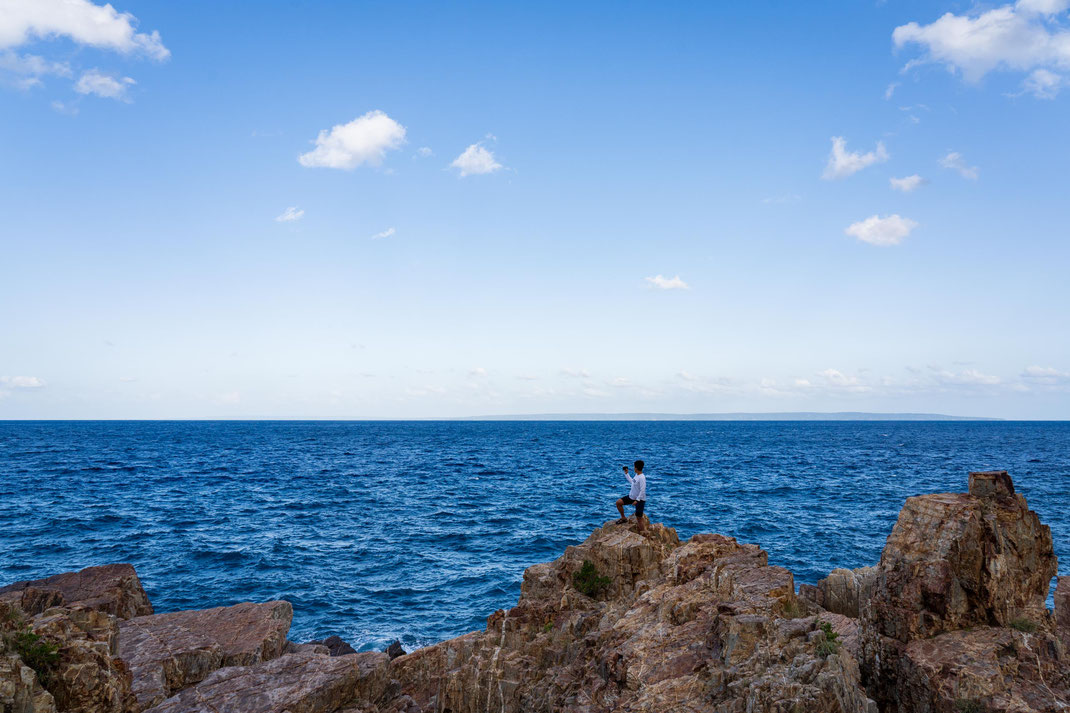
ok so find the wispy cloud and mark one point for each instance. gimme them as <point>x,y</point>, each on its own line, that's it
<point>843,163</point>
<point>667,283</point>
<point>956,162</point>
<point>103,85</point>
<point>290,215</point>
<point>575,373</point>
<point>365,140</point>
<point>907,184</point>
<point>389,232</point>
<point>886,231</point>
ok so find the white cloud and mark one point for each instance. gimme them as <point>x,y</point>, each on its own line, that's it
<point>84,22</point>
<point>1045,375</point>
<point>576,373</point>
<point>843,163</point>
<point>667,283</point>
<point>886,231</point>
<point>104,85</point>
<point>22,382</point>
<point>290,215</point>
<point>890,90</point>
<point>907,184</point>
<point>25,71</point>
<point>1043,84</point>
<point>478,372</point>
<point>1021,37</point>
<point>384,234</point>
<point>956,162</point>
<point>424,152</point>
<point>967,377</point>
<point>366,139</point>
<point>475,160</point>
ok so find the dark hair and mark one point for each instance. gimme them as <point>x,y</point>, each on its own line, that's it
<point>639,466</point>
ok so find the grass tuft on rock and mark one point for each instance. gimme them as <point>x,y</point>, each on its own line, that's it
<point>969,705</point>
<point>38,653</point>
<point>1024,625</point>
<point>829,643</point>
<point>587,581</point>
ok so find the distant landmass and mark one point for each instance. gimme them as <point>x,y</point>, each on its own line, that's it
<point>774,416</point>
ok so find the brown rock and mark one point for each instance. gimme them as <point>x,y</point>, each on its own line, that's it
<point>20,691</point>
<point>335,645</point>
<point>112,588</point>
<point>844,591</point>
<point>168,652</point>
<point>699,627</point>
<point>88,677</point>
<point>1062,604</point>
<point>992,669</point>
<point>294,683</point>
<point>953,562</point>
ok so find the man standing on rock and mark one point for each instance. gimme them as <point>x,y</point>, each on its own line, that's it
<point>636,496</point>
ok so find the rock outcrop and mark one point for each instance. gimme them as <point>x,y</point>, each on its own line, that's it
<point>951,620</point>
<point>844,591</point>
<point>113,588</point>
<point>957,613</point>
<point>294,683</point>
<point>168,652</point>
<point>701,626</point>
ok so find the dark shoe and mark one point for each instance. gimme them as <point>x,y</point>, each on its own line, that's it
<point>622,521</point>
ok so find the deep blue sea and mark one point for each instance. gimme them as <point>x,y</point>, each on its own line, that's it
<point>419,530</point>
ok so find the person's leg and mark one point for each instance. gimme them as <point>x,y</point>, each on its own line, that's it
<point>620,509</point>
<point>640,506</point>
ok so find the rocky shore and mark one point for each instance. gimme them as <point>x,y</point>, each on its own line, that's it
<point>951,620</point>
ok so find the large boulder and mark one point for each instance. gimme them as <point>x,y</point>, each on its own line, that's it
<point>168,652</point>
<point>953,562</point>
<point>698,627</point>
<point>295,683</point>
<point>112,588</point>
<point>1062,604</point>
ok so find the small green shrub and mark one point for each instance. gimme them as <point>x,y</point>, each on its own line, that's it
<point>1024,625</point>
<point>587,580</point>
<point>829,644</point>
<point>547,627</point>
<point>39,654</point>
<point>792,610</point>
<point>968,705</point>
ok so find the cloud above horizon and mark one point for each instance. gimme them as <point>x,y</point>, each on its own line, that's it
<point>384,234</point>
<point>103,85</point>
<point>83,23</point>
<point>290,215</point>
<point>883,232</point>
<point>843,163</point>
<point>957,163</point>
<point>667,283</point>
<point>365,140</point>
<point>476,160</point>
<point>907,184</point>
<point>1027,36</point>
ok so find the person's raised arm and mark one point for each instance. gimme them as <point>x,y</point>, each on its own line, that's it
<point>628,476</point>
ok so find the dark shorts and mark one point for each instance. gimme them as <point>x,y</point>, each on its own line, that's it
<point>640,505</point>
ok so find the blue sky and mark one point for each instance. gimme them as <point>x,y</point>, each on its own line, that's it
<point>529,208</point>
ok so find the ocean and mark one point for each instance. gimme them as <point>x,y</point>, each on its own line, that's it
<point>417,531</point>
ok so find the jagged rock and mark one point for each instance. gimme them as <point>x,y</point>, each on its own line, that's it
<point>336,646</point>
<point>292,648</point>
<point>843,591</point>
<point>953,562</point>
<point>167,652</point>
<point>89,677</point>
<point>1062,604</point>
<point>394,650</point>
<point>703,626</point>
<point>20,689</point>
<point>112,588</point>
<point>294,683</point>
<point>986,669</point>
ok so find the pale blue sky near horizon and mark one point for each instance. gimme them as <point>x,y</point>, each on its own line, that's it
<point>593,207</point>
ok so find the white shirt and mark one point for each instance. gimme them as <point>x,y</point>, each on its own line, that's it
<point>638,491</point>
